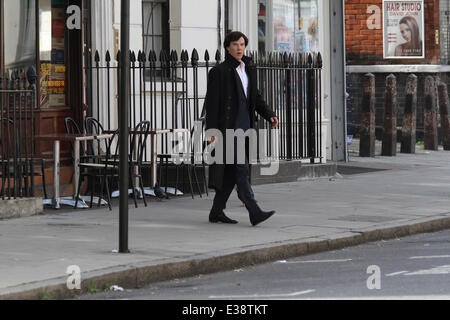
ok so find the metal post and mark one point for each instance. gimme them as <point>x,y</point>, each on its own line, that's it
<point>389,147</point>
<point>124,90</point>
<point>367,131</point>
<point>430,115</point>
<point>410,116</point>
<point>444,105</point>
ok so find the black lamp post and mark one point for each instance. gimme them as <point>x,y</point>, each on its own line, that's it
<point>124,91</point>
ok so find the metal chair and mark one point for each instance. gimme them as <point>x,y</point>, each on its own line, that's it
<point>97,168</point>
<point>136,157</point>
<point>187,160</point>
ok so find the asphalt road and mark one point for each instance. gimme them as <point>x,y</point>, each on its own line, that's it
<point>416,267</point>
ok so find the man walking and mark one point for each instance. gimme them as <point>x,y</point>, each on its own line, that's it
<point>231,102</point>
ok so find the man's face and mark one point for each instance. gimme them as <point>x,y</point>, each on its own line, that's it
<point>237,49</point>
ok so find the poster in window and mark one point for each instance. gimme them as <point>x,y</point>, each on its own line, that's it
<point>403,29</point>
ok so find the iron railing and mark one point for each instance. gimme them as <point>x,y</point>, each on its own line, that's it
<point>169,91</point>
<point>17,104</point>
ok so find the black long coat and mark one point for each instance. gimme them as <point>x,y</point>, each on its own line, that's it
<point>221,104</point>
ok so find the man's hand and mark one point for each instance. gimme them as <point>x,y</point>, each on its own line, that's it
<point>274,121</point>
<point>212,140</point>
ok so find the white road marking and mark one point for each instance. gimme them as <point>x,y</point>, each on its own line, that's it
<point>433,271</point>
<point>294,294</point>
<point>395,273</point>
<point>315,261</point>
<point>431,257</point>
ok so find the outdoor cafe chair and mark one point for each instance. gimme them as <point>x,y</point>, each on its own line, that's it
<point>100,169</point>
<point>188,161</point>
<point>138,145</point>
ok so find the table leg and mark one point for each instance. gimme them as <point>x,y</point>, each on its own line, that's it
<point>76,174</point>
<point>154,161</point>
<point>56,155</point>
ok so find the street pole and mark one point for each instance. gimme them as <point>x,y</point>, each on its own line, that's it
<point>124,90</point>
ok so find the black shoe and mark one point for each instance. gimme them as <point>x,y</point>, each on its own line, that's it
<point>261,216</point>
<point>221,217</point>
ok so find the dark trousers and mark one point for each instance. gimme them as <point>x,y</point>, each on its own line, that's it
<point>237,174</point>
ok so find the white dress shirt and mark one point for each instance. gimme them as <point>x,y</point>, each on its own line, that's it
<point>243,75</point>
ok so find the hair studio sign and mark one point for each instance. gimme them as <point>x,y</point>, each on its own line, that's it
<point>403,29</point>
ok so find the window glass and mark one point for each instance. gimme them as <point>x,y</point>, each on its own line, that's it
<point>52,53</point>
<point>295,24</point>
<point>156,27</point>
<point>262,20</point>
<point>19,33</point>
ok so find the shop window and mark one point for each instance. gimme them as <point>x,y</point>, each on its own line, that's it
<point>156,27</point>
<point>52,53</point>
<point>288,25</point>
<point>262,23</point>
<point>18,36</point>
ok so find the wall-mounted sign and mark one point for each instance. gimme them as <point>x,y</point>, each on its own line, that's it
<point>403,29</point>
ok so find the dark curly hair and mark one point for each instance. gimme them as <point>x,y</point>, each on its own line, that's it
<point>234,36</point>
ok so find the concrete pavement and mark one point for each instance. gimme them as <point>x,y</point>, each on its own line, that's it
<point>374,198</point>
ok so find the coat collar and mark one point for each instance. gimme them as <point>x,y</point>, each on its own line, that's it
<point>233,62</point>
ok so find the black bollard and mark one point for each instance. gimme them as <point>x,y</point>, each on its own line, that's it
<point>389,146</point>
<point>444,105</point>
<point>367,130</point>
<point>410,116</point>
<point>430,115</point>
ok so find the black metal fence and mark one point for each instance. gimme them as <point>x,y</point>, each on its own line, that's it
<point>17,106</point>
<point>169,91</point>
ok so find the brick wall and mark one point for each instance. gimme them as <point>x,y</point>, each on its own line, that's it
<point>365,46</point>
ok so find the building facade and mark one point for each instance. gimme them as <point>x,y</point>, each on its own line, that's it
<point>59,38</point>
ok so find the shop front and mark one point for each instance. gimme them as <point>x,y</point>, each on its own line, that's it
<point>34,38</point>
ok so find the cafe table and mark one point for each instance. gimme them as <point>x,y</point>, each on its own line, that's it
<point>153,133</point>
<point>75,139</point>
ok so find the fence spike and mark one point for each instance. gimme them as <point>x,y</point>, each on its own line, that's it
<point>310,60</point>
<point>206,55</point>
<point>175,56</point>
<point>97,56</point>
<point>218,56</point>
<point>152,56</point>
<point>319,61</point>
<point>139,56</point>
<point>270,58</point>
<point>31,76</point>
<point>194,57</point>
<point>108,56</point>
<point>132,57</point>
<point>143,57</point>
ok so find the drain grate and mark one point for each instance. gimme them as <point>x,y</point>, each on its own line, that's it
<point>349,170</point>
